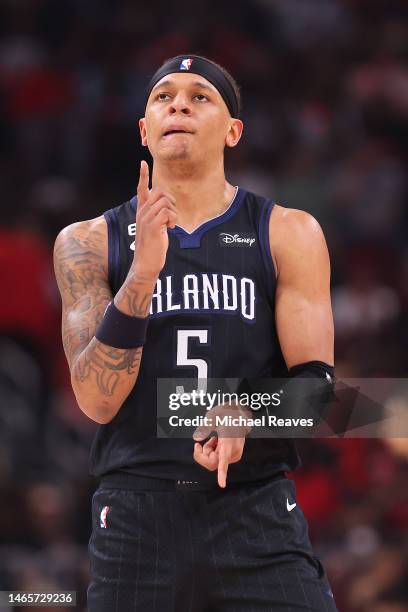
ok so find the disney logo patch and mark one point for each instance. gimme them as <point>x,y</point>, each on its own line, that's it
<point>240,240</point>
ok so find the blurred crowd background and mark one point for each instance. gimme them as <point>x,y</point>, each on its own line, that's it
<point>325,93</point>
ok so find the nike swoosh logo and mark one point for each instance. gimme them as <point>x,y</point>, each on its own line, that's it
<point>290,506</point>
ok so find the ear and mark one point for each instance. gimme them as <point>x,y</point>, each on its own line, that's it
<point>234,133</point>
<point>142,128</point>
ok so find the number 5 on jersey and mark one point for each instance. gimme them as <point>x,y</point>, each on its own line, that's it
<point>183,360</point>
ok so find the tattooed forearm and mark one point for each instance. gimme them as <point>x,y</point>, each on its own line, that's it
<point>101,376</point>
<point>135,296</point>
<point>101,364</point>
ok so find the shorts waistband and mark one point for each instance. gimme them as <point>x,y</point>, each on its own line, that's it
<point>123,480</point>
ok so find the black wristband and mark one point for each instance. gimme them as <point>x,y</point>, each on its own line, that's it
<point>311,389</point>
<point>120,330</point>
<point>307,392</point>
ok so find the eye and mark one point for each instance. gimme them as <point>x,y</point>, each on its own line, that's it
<point>201,97</point>
<point>162,96</point>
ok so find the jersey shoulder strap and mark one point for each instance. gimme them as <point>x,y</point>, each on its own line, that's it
<point>259,210</point>
<point>116,218</point>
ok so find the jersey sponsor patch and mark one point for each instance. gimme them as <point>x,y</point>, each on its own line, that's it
<point>236,240</point>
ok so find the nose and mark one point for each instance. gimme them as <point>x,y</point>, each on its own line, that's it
<point>180,104</point>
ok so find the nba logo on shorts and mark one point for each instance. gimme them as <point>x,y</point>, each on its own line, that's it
<point>104,516</point>
<point>186,64</point>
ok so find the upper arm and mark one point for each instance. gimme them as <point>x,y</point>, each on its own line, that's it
<point>81,270</point>
<point>303,309</point>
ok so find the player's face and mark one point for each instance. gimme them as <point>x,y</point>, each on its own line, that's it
<point>187,119</point>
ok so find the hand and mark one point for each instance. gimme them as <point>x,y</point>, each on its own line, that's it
<point>219,451</point>
<point>156,211</point>
<point>217,454</point>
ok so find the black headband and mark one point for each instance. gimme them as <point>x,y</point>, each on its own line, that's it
<point>198,65</point>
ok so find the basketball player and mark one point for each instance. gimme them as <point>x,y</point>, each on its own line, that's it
<point>151,289</point>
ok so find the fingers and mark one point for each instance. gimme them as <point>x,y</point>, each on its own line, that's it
<point>229,451</point>
<point>154,195</point>
<point>161,213</point>
<point>224,458</point>
<point>146,198</point>
<point>165,218</point>
<point>210,445</point>
<point>150,211</point>
<point>217,454</point>
<point>143,185</point>
<point>208,460</point>
<point>157,201</point>
<point>201,433</point>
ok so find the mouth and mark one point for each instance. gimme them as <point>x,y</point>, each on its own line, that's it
<point>175,131</point>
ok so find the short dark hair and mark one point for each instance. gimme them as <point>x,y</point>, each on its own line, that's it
<point>227,75</point>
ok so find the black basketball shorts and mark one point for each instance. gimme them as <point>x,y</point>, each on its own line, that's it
<point>182,549</point>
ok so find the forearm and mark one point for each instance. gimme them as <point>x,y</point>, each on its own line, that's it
<point>103,376</point>
<point>135,295</point>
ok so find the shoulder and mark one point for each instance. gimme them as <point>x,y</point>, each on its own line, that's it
<point>291,221</point>
<point>294,234</point>
<point>89,232</point>
<point>82,241</point>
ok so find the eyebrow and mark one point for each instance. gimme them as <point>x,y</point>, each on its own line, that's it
<point>168,83</point>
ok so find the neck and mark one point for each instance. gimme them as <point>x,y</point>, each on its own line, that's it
<point>200,193</point>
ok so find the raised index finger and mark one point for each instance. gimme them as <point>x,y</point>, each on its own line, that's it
<point>143,185</point>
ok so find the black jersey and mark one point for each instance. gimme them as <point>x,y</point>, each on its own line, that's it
<point>213,302</point>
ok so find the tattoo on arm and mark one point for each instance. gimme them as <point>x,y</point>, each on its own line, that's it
<point>81,272</point>
<point>134,297</point>
<point>105,363</point>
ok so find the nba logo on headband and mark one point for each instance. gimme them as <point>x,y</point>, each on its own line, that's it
<point>186,64</point>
